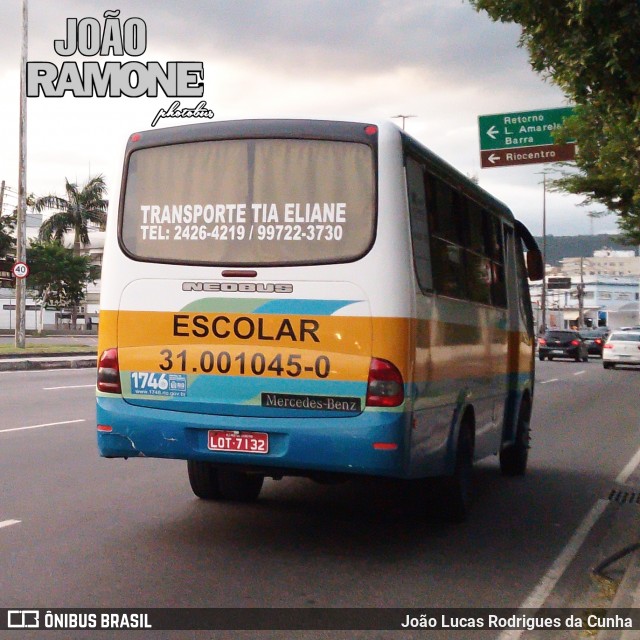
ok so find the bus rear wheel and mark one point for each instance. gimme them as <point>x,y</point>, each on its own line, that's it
<point>239,486</point>
<point>213,483</point>
<point>204,481</point>
<point>514,457</point>
<point>458,488</point>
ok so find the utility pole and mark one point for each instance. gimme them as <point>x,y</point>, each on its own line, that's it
<point>21,225</point>
<point>580,288</point>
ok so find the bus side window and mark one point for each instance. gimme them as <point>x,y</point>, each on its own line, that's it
<point>447,215</point>
<point>447,255</point>
<point>478,267</point>
<point>474,228</point>
<point>419,223</point>
<point>524,299</point>
<point>493,238</point>
<point>478,274</point>
<point>495,252</point>
<point>448,268</point>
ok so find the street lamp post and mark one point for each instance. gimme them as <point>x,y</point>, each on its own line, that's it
<point>404,118</point>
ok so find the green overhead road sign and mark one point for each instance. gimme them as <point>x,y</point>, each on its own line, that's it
<point>521,129</point>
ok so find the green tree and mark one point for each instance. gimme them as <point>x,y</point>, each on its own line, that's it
<point>7,236</point>
<point>8,230</point>
<point>80,208</point>
<point>591,50</point>
<point>57,277</point>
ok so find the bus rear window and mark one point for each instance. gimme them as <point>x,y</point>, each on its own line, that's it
<point>250,202</point>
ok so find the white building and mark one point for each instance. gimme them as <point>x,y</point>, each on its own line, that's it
<point>612,301</point>
<point>8,312</point>
<point>611,285</point>
<point>604,262</point>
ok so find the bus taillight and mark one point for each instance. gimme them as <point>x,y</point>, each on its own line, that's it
<point>109,372</point>
<point>386,386</point>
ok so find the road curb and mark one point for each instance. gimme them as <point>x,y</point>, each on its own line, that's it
<point>627,595</point>
<point>48,362</point>
<point>46,354</point>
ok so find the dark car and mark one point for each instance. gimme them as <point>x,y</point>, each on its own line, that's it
<point>562,344</point>
<point>594,339</point>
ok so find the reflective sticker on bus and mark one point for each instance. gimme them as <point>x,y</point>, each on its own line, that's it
<point>158,384</point>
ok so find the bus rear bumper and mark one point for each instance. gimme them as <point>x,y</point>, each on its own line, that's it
<point>373,443</point>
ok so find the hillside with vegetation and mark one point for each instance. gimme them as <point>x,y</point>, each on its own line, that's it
<point>559,247</point>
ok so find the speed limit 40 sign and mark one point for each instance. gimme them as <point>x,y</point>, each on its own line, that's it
<point>20,270</point>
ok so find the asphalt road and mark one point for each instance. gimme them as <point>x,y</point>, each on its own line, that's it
<point>92,532</point>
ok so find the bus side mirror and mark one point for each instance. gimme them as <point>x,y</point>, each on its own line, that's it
<point>535,268</point>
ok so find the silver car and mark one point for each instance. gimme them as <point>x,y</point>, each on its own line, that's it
<point>622,347</point>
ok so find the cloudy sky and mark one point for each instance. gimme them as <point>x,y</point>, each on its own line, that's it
<point>367,59</point>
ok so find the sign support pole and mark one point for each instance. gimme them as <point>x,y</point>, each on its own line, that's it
<point>543,299</point>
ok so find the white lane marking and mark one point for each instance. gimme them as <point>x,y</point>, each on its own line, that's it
<point>579,373</point>
<point>547,381</point>
<point>8,523</point>
<point>629,468</point>
<point>74,386</point>
<point>544,588</point>
<point>40,426</point>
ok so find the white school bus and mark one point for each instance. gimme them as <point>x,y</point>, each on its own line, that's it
<point>315,298</point>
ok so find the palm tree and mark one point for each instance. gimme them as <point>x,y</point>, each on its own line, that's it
<point>76,212</point>
<point>82,207</point>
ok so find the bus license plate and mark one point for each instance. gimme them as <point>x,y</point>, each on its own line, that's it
<point>239,441</point>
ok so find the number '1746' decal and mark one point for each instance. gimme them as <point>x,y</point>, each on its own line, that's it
<point>158,384</point>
